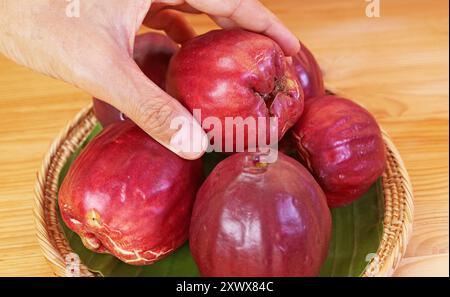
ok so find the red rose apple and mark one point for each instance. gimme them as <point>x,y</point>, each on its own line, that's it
<point>236,73</point>
<point>256,219</point>
<point>152,53</point>
<point>341,144</point>
<point>129,196</point>
<point>309,73</point>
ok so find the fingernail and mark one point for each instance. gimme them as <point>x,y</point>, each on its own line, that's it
<point>190,141</point>
<point>297,48</point>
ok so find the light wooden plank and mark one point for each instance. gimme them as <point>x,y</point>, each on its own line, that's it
<point>395,65</point>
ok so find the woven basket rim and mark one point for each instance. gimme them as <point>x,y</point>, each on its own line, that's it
<point>397,188</point>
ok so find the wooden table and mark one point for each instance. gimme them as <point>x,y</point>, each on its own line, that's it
<point>395,65</point>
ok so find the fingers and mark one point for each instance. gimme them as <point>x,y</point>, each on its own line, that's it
<point>250,15</point>
<point>158,114</point>
<point>172,22</point>
<point>179,5</point>
<point>224,22</point>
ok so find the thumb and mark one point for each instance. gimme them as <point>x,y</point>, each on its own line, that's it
<point>157,113</point>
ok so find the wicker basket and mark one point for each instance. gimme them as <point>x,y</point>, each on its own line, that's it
<point>396,186</point>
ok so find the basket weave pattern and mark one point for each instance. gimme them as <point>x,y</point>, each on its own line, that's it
<point>397,189</point>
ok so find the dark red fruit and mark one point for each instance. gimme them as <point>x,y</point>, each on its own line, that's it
<point>129,196</point>
<point>152,53</point>
<point>341,144</point>
<point>309,73</point>
<point>236,73</point>
<point>256,219</point>
<point>106,113</point>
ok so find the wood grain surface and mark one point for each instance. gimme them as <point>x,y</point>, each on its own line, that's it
<point>395,65</point>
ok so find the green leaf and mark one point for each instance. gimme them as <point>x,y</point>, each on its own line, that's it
<point>357,231</point>
<point>211,160</point>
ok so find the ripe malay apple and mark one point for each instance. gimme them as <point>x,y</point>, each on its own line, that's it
<point>309,73</point>
<point>256,219</point>
<point>236,73</point>
<point>341,144</point>
<point>152,53</point>
<point>129,196</point>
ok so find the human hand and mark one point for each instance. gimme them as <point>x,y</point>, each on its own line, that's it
<point>94,51</point>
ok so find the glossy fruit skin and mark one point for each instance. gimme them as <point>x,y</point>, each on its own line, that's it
<point>106,113</point>
<point>129,196</point>
<point>253,219</point>
<point>236,73</point>
<point>152,53</point>
<point>341,144</point>
<point>309,73</point>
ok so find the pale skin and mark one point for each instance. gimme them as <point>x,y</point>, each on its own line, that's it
<point>94,51</point>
